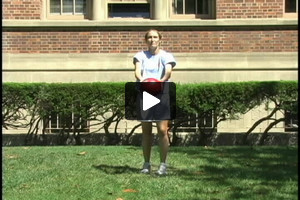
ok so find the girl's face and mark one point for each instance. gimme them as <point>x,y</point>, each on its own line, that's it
<point>153,39</point>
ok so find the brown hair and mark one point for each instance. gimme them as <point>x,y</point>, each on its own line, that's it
<point>159,35</point>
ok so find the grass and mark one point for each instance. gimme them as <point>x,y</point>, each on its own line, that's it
<point>112,173</point>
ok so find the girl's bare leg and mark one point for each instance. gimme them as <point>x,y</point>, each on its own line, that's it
<point>147,140</point>
<point>162,130</point>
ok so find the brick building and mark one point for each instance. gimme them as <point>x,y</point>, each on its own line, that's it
<point>94,40</point>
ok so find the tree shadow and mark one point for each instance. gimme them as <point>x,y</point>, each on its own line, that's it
<point>265,168</point>
<point>110,169</point>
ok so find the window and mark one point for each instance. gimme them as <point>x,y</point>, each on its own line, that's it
<point>204,9</point>
<point>291,121</point>
<point>290,8</point>
<point>291,117</point>
<point>69,122</point>
<point>194,123</point>
<point>127,10</point>
<point>65,8</point>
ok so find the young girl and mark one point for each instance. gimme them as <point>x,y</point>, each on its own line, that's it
<point>154,63</point>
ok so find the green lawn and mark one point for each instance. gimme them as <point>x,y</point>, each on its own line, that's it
<point>112,173</point>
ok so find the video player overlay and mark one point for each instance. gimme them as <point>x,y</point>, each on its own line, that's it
<point>150,101</point>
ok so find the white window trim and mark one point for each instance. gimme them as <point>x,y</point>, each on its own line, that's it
<point>210,15</point>
<point>67,16</point>
<point>53,129</point>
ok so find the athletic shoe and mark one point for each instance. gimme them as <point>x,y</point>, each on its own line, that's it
<point>162,169</point>
<point>146,168</point>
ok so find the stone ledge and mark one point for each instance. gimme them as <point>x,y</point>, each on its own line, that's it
<point>134,24</point>
<point>123,61</point>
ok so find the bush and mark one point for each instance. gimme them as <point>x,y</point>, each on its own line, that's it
<point>25,105</point>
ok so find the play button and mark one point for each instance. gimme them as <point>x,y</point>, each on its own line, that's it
<point>142,105</point>
<point>149,101</point>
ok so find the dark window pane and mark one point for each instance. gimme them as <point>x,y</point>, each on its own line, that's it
<point>129,10</point>
<point>202,7</point>
<point>290,6</point>
<point>67,6</point>
<point>190,7</point>
<point>179,7</point>
<point>55,6</point>
<point>80,6</point>
<point>68,120</point>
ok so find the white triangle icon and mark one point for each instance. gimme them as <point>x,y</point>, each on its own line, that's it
<point>149,101</point>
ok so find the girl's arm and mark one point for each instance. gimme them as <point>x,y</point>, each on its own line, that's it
<point>168,72</point>
<point>137,71</point>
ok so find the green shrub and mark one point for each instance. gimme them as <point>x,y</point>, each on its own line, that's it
<point>93,102</point>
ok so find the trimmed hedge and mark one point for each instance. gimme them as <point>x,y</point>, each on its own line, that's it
<point>93,101</point>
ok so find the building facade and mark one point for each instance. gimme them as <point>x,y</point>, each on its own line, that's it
<point>95,40</point>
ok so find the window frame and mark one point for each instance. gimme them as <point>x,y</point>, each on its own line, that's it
<point>56,126</point>
<point>290,14</point>
<point>194,123</point>
<point>291,122</point>
<point>69,16</point>
<point>211,12</point>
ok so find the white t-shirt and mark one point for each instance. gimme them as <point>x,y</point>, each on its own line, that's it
<point>153,66</point>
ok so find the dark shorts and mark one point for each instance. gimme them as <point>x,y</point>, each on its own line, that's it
<point>159,112</point>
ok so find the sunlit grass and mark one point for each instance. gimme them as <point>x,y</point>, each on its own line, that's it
<point>112,172</point>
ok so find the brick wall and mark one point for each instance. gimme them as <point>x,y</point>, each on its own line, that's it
<point>132,41</point>
<point>32,9</point>
<point>249,9</point>
<point>21,9</point>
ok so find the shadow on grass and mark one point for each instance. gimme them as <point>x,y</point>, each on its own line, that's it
<point>259,171</point>
<point>263,163</point>
<point>110,169</point>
